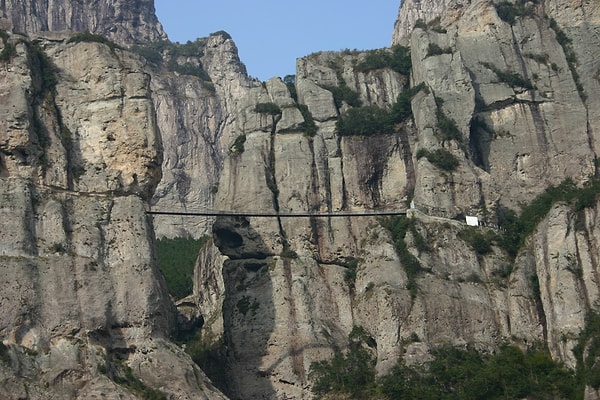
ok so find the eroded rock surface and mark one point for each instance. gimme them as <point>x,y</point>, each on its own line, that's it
<point>85,312</point>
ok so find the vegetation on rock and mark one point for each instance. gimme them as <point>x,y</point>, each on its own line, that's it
<point>452,374</point>
<point>93,38</point>
<point>397,59</point>
<point>511,78</point>
<point>398,227</point>
<point>515,229</point>
<point>238,145</point>
<point>566,44</point>
<point>441,158</point>
<point>267,108</point>
<point>373,120</point>
<point>435,50</point>
<point>508,12</point>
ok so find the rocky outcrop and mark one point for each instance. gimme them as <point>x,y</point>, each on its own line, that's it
<point>197,121</point>
<point>124,22</point>
<point>511,101</point>
<point>506,99</point>
<point>85,312</point>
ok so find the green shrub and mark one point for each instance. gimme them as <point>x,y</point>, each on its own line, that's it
<point>452,374</point>
<point>447,127</point>
<point>267,108</point>
<point>435,50</point>
<point>123,375</point>
<point>188,69</point>
<point>351,268</point>
<point>93,38</point>
<point>509,77</point>
<point>398,227</point>
<point>540,58</point>
<point>509,12</point>
<point>189,49</point>
<point>440,158</point>
<point>398,59</point>
<point>515,229</point>
<point>210,355</point>
<point>238,145</point>
<point>364,121</point>
<point>308,126</point>
<point>43,67</point>
<point>176,260</point>
<point>402,108</point>
<point>290,82</point>
<point>343,94</point>
<point>481,243</point>
<point>351,373</point>
<point>152,55</point>
<point>587,352</point>
<point>373,120</point>
<point>420,24</point>
<point>221,33</point>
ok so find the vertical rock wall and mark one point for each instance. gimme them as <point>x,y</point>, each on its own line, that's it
<point>523,121</point>
<point>84,310</point>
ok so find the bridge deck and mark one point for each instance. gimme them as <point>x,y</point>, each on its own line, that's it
<point>280,215</point>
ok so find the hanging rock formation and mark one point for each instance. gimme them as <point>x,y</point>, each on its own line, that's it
<point>510,100</point>
<point>490,110</point>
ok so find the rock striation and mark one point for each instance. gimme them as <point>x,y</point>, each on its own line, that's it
<point>511,100</point>
<point>125,22</point>
<point>85,312</point>
<point>495,109</point>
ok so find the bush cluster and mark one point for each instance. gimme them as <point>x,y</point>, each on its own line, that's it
<point>508,12</point>
<point>92,37</point>
<point>238,145</point>
<point>515,229</point>
<point>176,260</point>
<point>398,59</point>
<point>351,373</point>
<point>44,67</point>
<point>441,158</point>
<point>398,227</point>
<point>158,52</point>
<point>343,94</point>
<point>123,375</point>
<point>210,354</point>
<point>566,44</point>
<point>373,120</point>
<point>509,77</point>
<point>481,243</point>
<point>453,374</point>
<point>435,50</point>
<point>469,374</point>
<point>587,352</point>
<point>267,108</point>
<point>308,126</point>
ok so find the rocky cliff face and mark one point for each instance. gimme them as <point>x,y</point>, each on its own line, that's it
<point>85,312</point>
<point>197,121</point>
<point>513,100</point>
<point>508,100</point>
<point>122,21</point>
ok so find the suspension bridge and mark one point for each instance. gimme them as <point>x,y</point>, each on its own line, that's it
<point>264,214</point>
